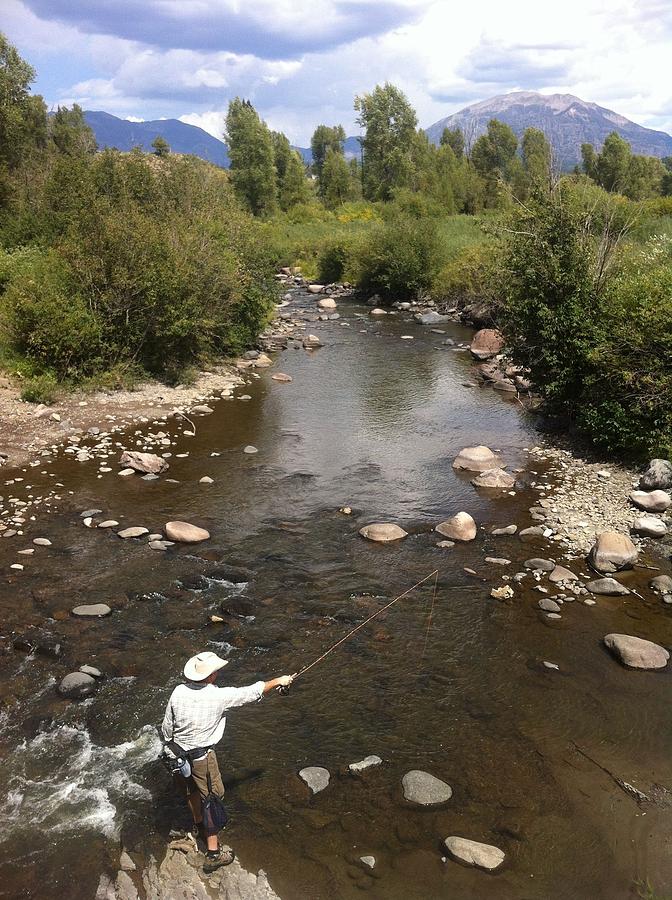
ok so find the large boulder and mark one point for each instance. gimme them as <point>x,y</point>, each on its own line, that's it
<point>383,532</point>
<point>460,527</point>
<point>494,478</point>
<point>315,288</point>
<point>148,463</point>
<point>612,551</point>
<point>637,653</point>
<point>425,789</point>
<point>77,685</point>
<point>487,342</point>
<point>311,342</point>
<point>473,853</point>
<point>661,584</point>
<point>185,533</point>
<point>658,476</point>
<point>651,501</point>
<point>649,526</point>
<point>327,303</point>
<point>476,459</point>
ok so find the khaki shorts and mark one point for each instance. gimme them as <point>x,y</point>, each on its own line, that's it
<point>197,783</point>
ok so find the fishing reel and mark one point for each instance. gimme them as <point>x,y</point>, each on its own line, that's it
<point>283,690</point>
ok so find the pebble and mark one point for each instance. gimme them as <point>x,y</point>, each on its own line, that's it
<point>508,529</point>
<point>206,480</point>
<point>125,472</point>
<point>42,542</point>
<point>108,523</point>
<point>250,449</point>
<point>91,670</point>
<point>473,853</point>
<point>369,861</point>
<point>161,545</point>
<point>498,561</point>
<point>550,665</point>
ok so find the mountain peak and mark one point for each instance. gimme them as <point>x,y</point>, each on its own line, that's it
<point>566,120</point>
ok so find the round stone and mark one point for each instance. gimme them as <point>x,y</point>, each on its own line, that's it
<point>425,789</point>
<point>636,653</point>
<point>77,685</point>
<point>383,532</point>
<point>185,533</point>
<point>134,532</point>
<point>473,853</point>
<point>92,610</point>
<point>475,459</point>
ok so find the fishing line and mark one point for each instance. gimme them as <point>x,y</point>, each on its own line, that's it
<point>434,575</point>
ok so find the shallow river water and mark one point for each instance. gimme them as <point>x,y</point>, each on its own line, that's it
<point>373,422</point>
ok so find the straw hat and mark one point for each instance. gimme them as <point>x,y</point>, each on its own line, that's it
<point>202,665</point>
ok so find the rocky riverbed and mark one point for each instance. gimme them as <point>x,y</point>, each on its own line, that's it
<point>267,523</point>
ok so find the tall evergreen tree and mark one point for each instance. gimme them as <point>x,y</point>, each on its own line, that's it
<point>252,159</point>
<point>22,116</point>
<point>389,123</point>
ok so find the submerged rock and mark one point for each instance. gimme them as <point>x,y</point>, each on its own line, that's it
<point>92,610</point>
<point>134,532</point>
<point>494,478</point>
<point>425,789</point>
<point>539,565</point>
<point>431,318</point>
<point>383,532</point>
<point>316,777</point>
<point>637,653</point>
<point>613,551</point>
<point>147,463</point>
<point>475,459</point>
<point>460,527</point>
<point>185,533</point>
<point>560,573</point>
<point>473,853</point>
<point>365,763</point>
<point>37,640</point>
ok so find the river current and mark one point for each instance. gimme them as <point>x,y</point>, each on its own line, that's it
<point>370,421</point>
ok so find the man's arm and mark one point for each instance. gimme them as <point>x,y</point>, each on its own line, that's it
<point>282,681</point>
<point>230,697</point>
<point>168,723</point>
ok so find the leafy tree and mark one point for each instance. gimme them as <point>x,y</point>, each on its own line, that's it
<point>69,132</point>
<point>335,181</point>
<point>453,138</point>
<point>22,116</point>
<point>161,147</point>
<point>589,160</point>
<point>325,137</point>
<point>613,162</point>
<point>294,187</point>
<point>252,161</point>
<point>493,155</point>
<point>645,178</point>
<point>537,157</point>
<point>666,183</point>
<point>282,152</point>
<point>389,123</point>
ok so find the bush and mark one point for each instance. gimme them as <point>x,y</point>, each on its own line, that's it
<point>472,276</point>
<point>40,389</point>
<point>46,319</point>
<point>338,259</point>
<point>400,260</point>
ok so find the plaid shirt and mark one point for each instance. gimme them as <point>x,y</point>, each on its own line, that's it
<point>195,712</point>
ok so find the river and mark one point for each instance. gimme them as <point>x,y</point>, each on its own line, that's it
<point>373,422</point>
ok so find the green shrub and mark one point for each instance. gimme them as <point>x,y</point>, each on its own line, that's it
<point>46,319</point>
<point>338,259</point>
<point>40,389</point>
<point>473,275</point>
<point>400,259</point>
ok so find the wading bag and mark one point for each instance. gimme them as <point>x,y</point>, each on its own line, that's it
<point>177,761</point>
<point>214,815</point>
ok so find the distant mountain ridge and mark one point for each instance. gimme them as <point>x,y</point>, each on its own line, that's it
<point>566,120</point>
<point>111,131</point>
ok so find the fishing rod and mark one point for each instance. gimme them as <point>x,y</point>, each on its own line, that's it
<point>434,575</point>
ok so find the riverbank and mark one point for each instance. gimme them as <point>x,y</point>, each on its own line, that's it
<point>371,419</point>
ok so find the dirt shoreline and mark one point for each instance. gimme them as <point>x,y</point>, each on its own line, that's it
<point>28,428</point>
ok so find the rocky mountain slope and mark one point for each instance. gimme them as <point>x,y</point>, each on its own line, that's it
<point>567,122</point>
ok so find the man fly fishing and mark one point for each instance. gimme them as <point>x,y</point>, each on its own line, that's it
<point>194,722</point>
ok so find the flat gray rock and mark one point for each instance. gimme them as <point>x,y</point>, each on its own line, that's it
<point>508,529</point>
<point>608,587</point>
<point>92,610</point>
<point>560,573</point>
<point>549,605</point>
<point>316,777</point>
<point>42,542</point>
<point>425,789</point>
<point>91,670</point>
<point>185,532</point>
<point>473,853</point>
<point>134,532</point>
<point>539,565</point>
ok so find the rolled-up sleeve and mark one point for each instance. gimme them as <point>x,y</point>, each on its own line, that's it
<point>230,697</point>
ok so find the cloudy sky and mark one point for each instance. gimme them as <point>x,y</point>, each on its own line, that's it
<point>302,61</point>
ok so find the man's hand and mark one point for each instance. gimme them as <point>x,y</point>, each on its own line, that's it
<point>283,681</point>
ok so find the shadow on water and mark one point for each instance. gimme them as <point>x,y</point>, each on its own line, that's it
<point>372,422</point>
